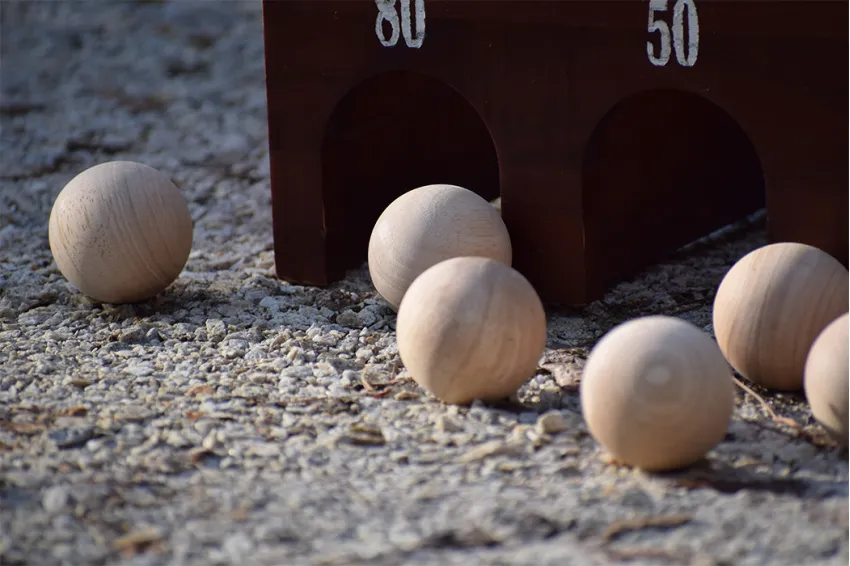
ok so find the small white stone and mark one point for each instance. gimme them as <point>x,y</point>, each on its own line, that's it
<point>447,424</point>
<point>55,499</point>
<point>237,547</point>
<point>552,422</point>
<point>264,449</point>
<point>142,369</point>
<point>210,441</point>
<point>364,353</point>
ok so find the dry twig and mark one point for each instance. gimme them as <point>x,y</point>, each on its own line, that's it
<point>773,416</point>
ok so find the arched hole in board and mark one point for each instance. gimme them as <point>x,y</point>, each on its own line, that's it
<point>390,134</point>
<point>662,169</point>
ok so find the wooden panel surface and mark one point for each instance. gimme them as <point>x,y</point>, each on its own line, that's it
<point>586,202</point>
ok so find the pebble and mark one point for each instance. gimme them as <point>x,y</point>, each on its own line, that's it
<point>71,437</point>
<point>55,499</point>
<point>446,424</point>
<point>264,450</point>
<point>551,422</point>
<point>270,303</point>
<point>238,547</point>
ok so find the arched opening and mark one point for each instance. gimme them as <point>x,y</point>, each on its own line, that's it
<point>390,134</point>
<point>662,169</point>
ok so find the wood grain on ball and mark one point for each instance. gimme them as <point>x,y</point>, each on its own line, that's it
<point>826,378</point>
<point>427,225</point>
<point>656,393</point>
<point>771,306</point>
<point>120,232</point>
<point>471,328</point>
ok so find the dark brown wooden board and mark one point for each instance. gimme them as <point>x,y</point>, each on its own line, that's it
<point>605,162</point>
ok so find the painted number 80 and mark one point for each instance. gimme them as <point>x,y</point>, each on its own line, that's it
<point>686,54</point>
<point>387,13</point>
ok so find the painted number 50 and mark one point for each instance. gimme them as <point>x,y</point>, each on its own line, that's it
<point>686,54</point>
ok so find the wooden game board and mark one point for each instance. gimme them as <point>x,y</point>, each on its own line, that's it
<point>614,131</point>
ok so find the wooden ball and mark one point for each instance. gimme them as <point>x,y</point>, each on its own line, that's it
<point>427,225</point>
<point>826,378</point>
<point>656,393</point>
<point>471,328</point>
<point>120,232</point>
<point>771,306</point>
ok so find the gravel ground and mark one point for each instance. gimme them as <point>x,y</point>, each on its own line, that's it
<point>237,419</point>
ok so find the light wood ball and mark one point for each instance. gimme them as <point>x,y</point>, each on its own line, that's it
<point>826,378</point>
<point>771,306</point>
<point>427,225</point>
<point>656,393</point>
<point>120,232</point>
<point>471,328</point>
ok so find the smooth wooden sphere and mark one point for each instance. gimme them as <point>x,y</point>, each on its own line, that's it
<point>771,306</point>
<point>826,378</point>
<point>471,328</point>
<point>120,232</point>
<point>656,393</point>
<point>427,225</point>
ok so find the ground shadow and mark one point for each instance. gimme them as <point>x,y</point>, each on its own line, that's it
<point>725,478</point>
<point>661,169</point>
<point>390,134</point>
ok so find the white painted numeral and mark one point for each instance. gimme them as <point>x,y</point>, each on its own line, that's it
<point>409,38</point>
<point>686,59</point>
<point>664,34</point>
<point>686,54</point>
<point>387,13</point>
